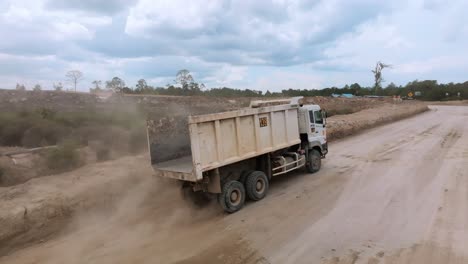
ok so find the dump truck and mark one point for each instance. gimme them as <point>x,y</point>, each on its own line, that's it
<point>234,155</point>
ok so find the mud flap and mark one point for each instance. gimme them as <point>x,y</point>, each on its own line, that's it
<point>213,185</point>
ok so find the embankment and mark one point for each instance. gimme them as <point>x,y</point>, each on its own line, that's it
<point>340,126</point>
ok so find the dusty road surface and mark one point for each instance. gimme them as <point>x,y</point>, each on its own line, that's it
<point>394,194</point>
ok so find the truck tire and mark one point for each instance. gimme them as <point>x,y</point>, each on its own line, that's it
<point>256,185</point>
<point>232,197</point>
<point>314,161</point>
<point>243,176</point>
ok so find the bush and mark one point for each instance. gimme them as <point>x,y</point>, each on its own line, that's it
<point>119,132</point>
<point>43,133</point>
<point>63,158</point>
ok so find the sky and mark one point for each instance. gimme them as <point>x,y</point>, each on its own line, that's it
<point>247,44</point>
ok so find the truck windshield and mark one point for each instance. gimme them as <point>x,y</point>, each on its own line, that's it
<point>318,117</point>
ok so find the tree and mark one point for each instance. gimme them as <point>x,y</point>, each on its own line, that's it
<point>58,87</point>
<point>20,87</point>
<point>74,77</point>
<point>184,78</point>
<point>141,85</point>
<point>355,86</point>
<point>126,90</point>
<point>37,88</point>
<point>97,85</point>
<point>391,86</point>
<point>378,74</point>
<point>116,84</point>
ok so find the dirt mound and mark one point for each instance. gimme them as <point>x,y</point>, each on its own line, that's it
<point>344,106</point>
<point>18,168</point>
<point>340,126</point>
<point>19,165</point>
<point>42,206</point>
<point>98,203</point>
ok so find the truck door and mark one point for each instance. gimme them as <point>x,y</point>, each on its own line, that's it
<point>317,126</point>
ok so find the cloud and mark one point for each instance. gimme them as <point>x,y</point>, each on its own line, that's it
<point>35,31</point>
<point>431,65</point>
<point>281,79</point>
<point>108,7</point>
<point>262,44</point>
<point>226,75</point>
<point>413,39</point>
<point>266,32</point>
<point>71,31</point>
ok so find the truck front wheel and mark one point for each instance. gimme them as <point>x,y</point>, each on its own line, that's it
<point>256,185</point>
<point>232,197</point>
<point>314,161</point>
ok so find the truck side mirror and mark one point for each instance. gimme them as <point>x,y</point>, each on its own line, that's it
<point>324,113</point>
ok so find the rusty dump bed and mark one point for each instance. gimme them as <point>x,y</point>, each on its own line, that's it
<point>219,139</point>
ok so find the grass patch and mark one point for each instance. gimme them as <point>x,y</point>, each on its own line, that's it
<point>65,157</point>
<point>45,127</point>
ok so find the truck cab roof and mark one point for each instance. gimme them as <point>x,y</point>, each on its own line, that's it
<point>311,107</point>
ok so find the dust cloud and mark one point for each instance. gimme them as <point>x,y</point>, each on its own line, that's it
<point>147,215</point>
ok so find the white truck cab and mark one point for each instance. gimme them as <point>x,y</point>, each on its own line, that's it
<point>312,127</point>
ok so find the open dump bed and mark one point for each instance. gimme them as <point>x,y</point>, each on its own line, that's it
<point>220,139</point>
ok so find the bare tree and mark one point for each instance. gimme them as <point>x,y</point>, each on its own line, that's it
<point>74,77</point>
<point>378,74</point>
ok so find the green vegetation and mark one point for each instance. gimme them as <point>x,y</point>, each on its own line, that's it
<point>430,90</point>
<point>64,158</point>
<point>186,86</point>
<point>45,127</point>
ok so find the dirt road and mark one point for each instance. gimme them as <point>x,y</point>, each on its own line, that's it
<point>395,194</point>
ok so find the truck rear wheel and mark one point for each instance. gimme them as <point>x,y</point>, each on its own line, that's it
<point>256,185</point>
<point>232,197</point>
<point>314,161</point>
<point>243,176</point>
